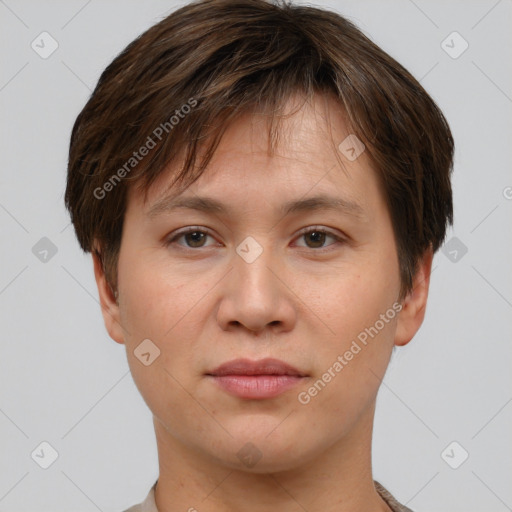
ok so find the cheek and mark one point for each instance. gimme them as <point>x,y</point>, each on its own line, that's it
<point>168,309</point>
<point>158,307</point>
<point>360,311</point>
<point>352,299</point>
<point>362,326</point>
<point>152,299</point>
<point>349,370</point>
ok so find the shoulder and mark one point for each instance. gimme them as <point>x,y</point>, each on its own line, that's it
<point>148,505</point>
<point>390,500</point>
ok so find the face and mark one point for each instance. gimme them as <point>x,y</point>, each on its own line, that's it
<point>271,305</point>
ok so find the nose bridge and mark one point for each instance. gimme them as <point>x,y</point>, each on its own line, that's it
<point>255,297</point>
<point>252,266</point>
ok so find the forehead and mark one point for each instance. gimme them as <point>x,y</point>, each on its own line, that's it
<point>310,155</point>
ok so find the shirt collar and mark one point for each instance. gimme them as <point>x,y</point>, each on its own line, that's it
<point>149,505</point>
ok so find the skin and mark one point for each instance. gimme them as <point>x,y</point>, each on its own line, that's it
<point>303,300</point>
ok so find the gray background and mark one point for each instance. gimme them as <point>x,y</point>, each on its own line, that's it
<point>64,381</point>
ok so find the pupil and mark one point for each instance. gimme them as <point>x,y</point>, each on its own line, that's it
<point>195,238</point>
<point>318,242</point>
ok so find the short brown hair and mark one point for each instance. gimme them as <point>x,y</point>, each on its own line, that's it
<point>224,58</point>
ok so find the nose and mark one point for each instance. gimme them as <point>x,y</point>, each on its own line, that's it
<point>256,296</point>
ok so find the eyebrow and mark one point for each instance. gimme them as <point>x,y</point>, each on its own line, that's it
<point>210,205</point>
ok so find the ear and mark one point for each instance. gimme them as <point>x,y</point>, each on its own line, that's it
<point>414,305</point>
<point>108,302</point>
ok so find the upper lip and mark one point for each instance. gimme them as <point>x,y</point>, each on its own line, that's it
<point>266,366</point>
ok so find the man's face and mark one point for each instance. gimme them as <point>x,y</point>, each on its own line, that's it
<point>254,281</point>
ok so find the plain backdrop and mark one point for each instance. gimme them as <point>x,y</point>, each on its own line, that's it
<point>64,382</point>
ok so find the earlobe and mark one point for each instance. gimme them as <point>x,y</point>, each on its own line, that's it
<point>108,302</point>
<point>414,305</point>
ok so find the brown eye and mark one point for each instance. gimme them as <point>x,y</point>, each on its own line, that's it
<point>194,238</point>
<point>317,238</point>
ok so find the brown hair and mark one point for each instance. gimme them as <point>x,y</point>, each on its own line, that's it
<point>182,81</point>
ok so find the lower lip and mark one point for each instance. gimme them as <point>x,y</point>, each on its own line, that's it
<point>256,386</point>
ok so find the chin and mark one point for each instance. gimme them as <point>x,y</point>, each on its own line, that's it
<point>257,447</point>
<point>251,459</point>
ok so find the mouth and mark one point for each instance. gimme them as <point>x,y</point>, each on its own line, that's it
<point>257,380</point>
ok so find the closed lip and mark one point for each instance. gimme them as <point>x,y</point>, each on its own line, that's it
<point>268,366</point>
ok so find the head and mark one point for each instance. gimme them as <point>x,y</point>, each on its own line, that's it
<point>257,106</point>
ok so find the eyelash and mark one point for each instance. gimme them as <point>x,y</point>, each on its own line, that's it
<point>305,231</point>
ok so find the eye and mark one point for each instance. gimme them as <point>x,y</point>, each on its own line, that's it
<point>317,237</point>
<point>193,236</point>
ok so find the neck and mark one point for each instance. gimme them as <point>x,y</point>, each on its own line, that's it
<point>337,480</point>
